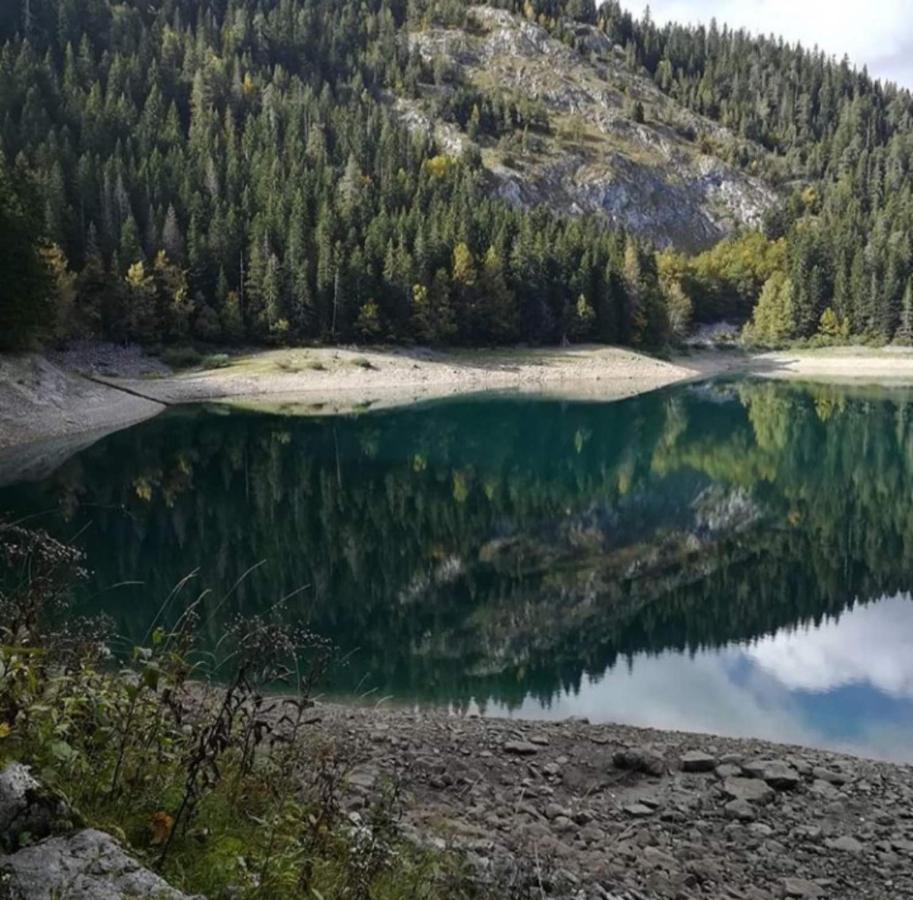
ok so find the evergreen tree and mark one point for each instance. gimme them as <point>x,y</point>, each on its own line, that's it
<point>26,312</point>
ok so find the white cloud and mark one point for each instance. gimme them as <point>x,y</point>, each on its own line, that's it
<point>879,35</point>
<point>774,689</point>
<point>871,645</point>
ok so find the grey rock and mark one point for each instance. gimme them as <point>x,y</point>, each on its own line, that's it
<point>801,888</point>
<point>696,761</point>
<point>740,810</point>
<point>830,776</point>
<point>754,768</point>
<point>638,810</point>
<point>88,865</point>
<point>808,833</point>
<point>521,748</point>
<point>751,790</point>
<point>824,789</point>
<point>556,810</point>
<point>845,844</point>
<point>363,778</point>
<point>638,759</point>
<point>27,807</point>
<point>781,776</point>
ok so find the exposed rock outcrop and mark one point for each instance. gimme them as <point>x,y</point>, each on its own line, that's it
<point>29,809</point>
<point>48,858</point>
<point>661,178</point>
<point>87,865</point>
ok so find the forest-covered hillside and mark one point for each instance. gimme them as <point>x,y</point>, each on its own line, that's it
<point>243,171</point>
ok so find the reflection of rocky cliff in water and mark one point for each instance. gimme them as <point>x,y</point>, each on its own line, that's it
<point>499,547</point>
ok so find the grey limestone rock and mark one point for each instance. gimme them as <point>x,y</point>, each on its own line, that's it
<point>28,809</point>
<point>87,865</point>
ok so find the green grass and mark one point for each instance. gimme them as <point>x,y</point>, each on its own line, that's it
<point>187,776</point>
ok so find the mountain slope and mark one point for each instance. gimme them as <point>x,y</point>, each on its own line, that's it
<point>441,172</point>
<point>590,154</point>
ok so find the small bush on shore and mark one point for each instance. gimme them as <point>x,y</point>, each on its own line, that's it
<point>216,361</point>
<point>200,766</point>
<point>181,357</point>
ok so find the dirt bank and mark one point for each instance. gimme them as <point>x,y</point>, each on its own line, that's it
<point>845,365</point>
<point>342,377</point>
<point>40,401</point>
<point>76,397</point>
<point>585,812</point>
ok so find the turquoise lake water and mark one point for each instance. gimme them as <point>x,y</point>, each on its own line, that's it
<point>733,557</point>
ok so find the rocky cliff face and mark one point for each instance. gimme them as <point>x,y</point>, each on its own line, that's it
<point>662,178</point>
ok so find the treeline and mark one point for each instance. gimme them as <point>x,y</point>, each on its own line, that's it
<point>231,171</point>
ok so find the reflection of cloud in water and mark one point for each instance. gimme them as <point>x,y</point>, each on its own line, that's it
<point>869,645</point>
<point>771,690</point>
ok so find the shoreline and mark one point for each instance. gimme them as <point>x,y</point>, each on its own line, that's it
<point>53,407</point>
<point>43,399</point>
<point>683,815</point>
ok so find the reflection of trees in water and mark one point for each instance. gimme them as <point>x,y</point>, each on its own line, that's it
<point>495,548</point>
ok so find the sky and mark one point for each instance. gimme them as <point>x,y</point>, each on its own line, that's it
<point>878,34</point>
<point>816,686</point>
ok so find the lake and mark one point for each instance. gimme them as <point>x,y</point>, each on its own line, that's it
<point>733,557</point>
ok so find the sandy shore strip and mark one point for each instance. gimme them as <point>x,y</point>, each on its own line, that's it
<point>354,378</point>
<point>87,395</point>
<point>844,365</point>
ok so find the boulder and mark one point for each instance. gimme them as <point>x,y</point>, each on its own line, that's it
<point>639,759</point>
<point>88,865</point>
<point>781,776</point>
<point>521,748</point>
<point>751,790</point>
<point>696,761</point>
<point>740,810</point>
<point>27,809</point>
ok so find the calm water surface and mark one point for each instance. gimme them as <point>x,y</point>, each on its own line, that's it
<point>730,557</point>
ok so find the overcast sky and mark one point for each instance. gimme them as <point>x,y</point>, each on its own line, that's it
<point>878,34</point>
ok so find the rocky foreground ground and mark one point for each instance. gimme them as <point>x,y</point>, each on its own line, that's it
<point>584,811</point>
<point>555,810</point>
